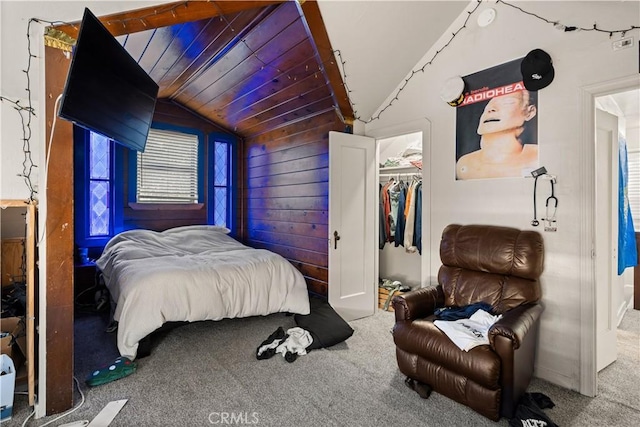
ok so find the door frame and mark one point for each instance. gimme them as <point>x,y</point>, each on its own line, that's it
<point>420,125</point>
<point>588,256</point>
<point>606,261</point>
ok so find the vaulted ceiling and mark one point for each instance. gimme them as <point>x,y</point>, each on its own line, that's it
<point>247,66</point>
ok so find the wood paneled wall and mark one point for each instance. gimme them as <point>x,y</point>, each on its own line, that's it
<point>161,219</point>
<point>58,229</point>
<point>286,195</point>
<point>11,261</point>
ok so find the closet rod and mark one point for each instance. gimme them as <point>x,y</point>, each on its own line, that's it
<point>393,175</point>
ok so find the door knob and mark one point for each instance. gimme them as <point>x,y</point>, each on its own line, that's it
<point>336,237</point>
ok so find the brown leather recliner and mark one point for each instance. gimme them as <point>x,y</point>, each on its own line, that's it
<point>480,263</point>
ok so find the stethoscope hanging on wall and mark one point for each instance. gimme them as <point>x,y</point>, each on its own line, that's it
<point>551,204</point>
<point>553,200</point>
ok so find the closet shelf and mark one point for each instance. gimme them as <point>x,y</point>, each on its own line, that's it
<point>400,168</point>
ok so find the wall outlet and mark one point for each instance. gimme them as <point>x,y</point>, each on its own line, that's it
<point>622,44</point>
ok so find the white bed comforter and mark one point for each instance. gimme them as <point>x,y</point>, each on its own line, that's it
<point>193,273</point>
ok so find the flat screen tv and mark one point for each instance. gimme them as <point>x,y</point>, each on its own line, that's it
<point>106,90</point>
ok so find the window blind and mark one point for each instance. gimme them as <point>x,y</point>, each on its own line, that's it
<point>168,168</point>
<point>633,161</point>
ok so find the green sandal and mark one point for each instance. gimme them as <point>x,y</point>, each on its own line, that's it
<point>121,368</point>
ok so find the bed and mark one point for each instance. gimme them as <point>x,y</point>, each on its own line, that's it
<point>193,273</point>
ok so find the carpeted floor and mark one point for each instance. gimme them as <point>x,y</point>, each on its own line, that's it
<point>207,373</point>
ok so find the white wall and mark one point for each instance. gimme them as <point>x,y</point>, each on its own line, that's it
<point>580,59</point>
<point>14,18</point>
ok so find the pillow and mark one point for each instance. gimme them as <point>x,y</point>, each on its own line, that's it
<point>204,227</point>
<point>323,323</point>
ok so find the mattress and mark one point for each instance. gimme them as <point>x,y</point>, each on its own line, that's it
<point>193,273</point>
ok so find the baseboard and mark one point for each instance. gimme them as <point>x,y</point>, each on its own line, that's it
<point>624,306</point>
<point>556,378</point>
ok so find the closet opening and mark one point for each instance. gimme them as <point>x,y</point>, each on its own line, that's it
<point>400,218</point>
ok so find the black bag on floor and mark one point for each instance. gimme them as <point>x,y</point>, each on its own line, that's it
<point>529,412</point>
<point>323,323</point>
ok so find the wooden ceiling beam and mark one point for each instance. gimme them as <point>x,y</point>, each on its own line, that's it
<point>325,51</point>
<point>163,15</point>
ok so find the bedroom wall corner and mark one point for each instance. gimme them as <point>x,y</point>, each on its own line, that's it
<point>285,195</point>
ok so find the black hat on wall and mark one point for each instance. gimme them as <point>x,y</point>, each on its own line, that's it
<point>537,70</point>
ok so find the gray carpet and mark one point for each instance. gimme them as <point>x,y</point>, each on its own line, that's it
<point>201,373</point>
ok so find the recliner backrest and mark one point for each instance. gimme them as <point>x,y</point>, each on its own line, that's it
<point>493,264</point>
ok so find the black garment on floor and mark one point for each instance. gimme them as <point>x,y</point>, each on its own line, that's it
<point>274,340</point>
<point>529,412</point>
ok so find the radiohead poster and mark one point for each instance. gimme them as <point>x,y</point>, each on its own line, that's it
<point>496,125</point>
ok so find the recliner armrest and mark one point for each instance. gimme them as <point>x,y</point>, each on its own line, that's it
<point>515,324</point>
<point>418,303</point>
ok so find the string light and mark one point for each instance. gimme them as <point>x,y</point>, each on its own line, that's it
<point>26,114</point>
<point>159,11</point>
<point>396,97</point>
<point>567,28</point>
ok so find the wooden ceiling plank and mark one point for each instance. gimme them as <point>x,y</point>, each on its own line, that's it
<point>160,41</point>
<point>291,113</point>
<point>167,14</point>
<point>299,63</point>
<point>259,154</point>
<point>283,137</point>
<point>193,59</point>
<point>284,126</point>
<point>261,66</point>
<point>136,46</point>
<point>296,101</point>
<point>179,44</point>
<point>286,91</point>
<point>259,35</point>
<point>291,91</point>
<point>234,42</point>
<point>273,25</point>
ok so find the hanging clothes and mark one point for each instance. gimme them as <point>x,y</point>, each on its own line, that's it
<point>382,238</point>
<point>398,238</point>
<point>417,229</point>
<point>400,213</point>
<point>386,209</point>
<point>627,250</point>
<point>394,196</point>
<point>410,220</point>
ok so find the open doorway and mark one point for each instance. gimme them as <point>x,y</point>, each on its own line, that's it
<point>400,243</point>
<point>617,120</point>
<point>629,104</point>
<point>413,140</point>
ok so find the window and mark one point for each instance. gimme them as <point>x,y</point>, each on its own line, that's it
<point>95,188</point>
<point>221,198</point>
<point>633,189</point>
<point>100,161</point>
<point>220,182</point>
<point>167,170</point>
